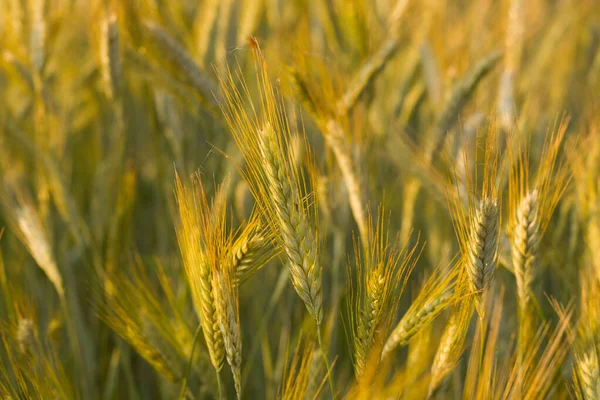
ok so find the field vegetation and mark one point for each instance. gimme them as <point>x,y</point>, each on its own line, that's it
<point>299,199</point>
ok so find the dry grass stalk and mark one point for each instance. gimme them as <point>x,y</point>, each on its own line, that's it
<point>110,57</point>
<point>461,93</point>
<point>336,138</point>
<point>180,58</point>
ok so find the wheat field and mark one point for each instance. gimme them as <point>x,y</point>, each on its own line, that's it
<point>299,199</point>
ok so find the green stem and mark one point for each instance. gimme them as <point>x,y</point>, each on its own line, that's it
<point>324,353</point>
<point>219,384</point>
<point>189,365</point>
<point>75,344</point>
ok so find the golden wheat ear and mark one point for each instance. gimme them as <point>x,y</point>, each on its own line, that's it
<point>451,343</point>
<point>437,294</point>
<point>263,133</point>
<point>194,236</point>
<point>382,269</point>
<point>282,190</point>
<point>475,207</point>
<point>586,346</point>
<point>228,318</point>
<point>252,249</point>
<point>532,196</point>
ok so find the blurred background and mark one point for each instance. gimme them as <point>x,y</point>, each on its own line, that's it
<point>102,101</point>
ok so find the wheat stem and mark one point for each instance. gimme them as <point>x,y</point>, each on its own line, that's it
<point>326,361</point>
<point>189,365</point>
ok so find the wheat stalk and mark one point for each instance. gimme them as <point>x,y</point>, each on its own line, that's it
<point>336,138</point>
<point>37,40</point>
<point>514,46</point>
<point>278,185</point>
<point>110,57</point>
<point>461,93</point>
<point>170,49</point>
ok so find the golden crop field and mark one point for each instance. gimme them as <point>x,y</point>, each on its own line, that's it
<point>299,199</point>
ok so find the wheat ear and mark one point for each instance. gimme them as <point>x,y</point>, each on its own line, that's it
<point>299,242</point>
<point>226,302</point>
<point>251,250</point>
<point>451,344</point>
<point>414,320</point>
<point>483,245</point>
<point>194,213</point>
<point>382,267</point>
<point>588,373</point>
<point>525,243</point>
